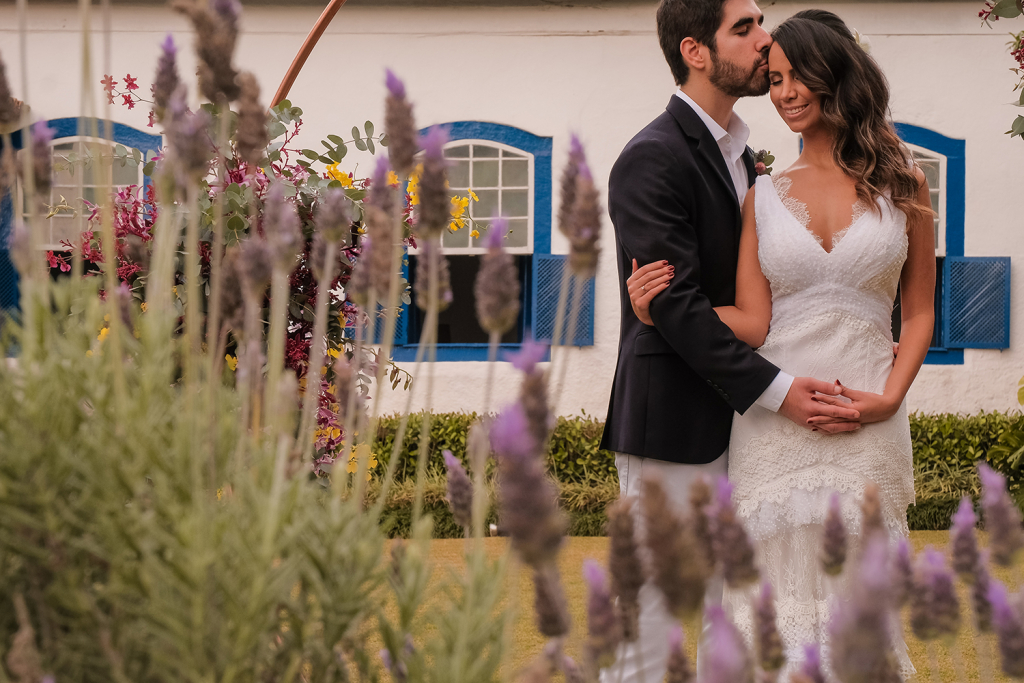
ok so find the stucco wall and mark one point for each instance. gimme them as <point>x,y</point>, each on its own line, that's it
<point>599,71</point>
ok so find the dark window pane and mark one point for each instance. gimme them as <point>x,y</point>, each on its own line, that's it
<point>458,324</point>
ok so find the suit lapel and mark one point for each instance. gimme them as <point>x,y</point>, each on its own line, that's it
<point>748,161</point>
<point>707,148</point>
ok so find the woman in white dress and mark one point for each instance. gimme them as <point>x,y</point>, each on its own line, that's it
<point>824,246</point>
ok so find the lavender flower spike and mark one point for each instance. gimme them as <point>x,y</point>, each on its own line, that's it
<point>166,80</point>
<point>497,284</point>
<point>963,541</point>
<point>979,595</point>
<point>549,603</point>
<point>625,567</point>
<point>728,660</point>
<point>568,185</point>
<point>399,125</point>
<point>810,671</point>
<point>42,157</point>
<point>1009,629</point>
<point>585,226</point>
<point>282,228</point>
<point>527,500</point>
<point>679,669</point>
<point>530,353</point>
<point>1002,518</point>
<point>934,606</point>
<point>460,490</point>
<point>430,257</point>
<point>252,136</point>
<point>334,215</point>
<point>733,548</point>
<point>435,205</point>
<point>380,194</point>
<point>903,574</point>
<point>770,654</point>
<point>677,567</point>
<point>603,627</point>
<point>833,547</point>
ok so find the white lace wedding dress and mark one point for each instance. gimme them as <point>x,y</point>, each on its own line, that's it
<point>831,319</point>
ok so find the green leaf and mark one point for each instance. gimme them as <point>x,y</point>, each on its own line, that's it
<point>336,140</point>
<point>276,129</point>
<point>335,156</point>
<point>355,135</point>
<point>369,145</point>
<point>1006,8</point>
<point>360,145</point>
<point>149,168</point>
<point>310,154</point>
<point>120,150</point>
<point>342,150</point>
<point>325,160</point>
<point>1018,127</point>
<point>303,163</point>
<point>137,155</point>
<point>383,141</point>
<point>334,183</point>
<point>1020,102</point>
<point>368,127</point>
<point>274,156</point>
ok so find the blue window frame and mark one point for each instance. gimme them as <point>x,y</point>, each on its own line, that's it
<point>64,129</point>
<point>515,141</point>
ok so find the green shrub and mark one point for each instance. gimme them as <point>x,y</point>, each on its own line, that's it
<point>946,450</point>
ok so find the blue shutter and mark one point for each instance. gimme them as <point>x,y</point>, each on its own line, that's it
<point>401,327</point>
<point>547,286</point>
<point>976,306</point>
<point>8,275</point>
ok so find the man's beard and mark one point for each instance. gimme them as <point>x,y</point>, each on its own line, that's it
<point>734,81</point>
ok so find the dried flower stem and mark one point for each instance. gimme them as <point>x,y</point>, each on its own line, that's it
<point>279,290</point>
<point>432,312</point>
<point>933,661</point>
<point>563,357</point>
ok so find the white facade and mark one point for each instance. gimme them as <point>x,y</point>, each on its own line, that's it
<point>595,70</point>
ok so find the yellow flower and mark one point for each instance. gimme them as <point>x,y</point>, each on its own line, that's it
<point>220,493</point>
<point>335,433</point>
<point>336,174</point>
<point>174,291</point>
<point>413,189</point>
<point>231,361</point>
<point>459,205</point>
<point>392,179</point>
<point>144,306</point>
<point>333,353</point>
<point>103,333</point>
<point>472,195</point>
<point>361,451</point>
<point>88,353</point>
<point>457,223</point>
<point>474,233</point>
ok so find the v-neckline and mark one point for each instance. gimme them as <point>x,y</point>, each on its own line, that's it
<point>810,233</point>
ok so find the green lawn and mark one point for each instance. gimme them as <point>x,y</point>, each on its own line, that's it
<point>448,555</point>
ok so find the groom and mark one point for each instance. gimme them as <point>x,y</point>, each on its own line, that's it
<point>675,194</point>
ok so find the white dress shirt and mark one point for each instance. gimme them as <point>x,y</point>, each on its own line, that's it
<point>732,143</point>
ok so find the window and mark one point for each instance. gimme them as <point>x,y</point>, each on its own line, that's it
<point>66,178</point>
<point>972,293</point>
<point>66,139</point>
<point>509,169</point>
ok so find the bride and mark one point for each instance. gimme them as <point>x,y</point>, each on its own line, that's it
<point>824,246</point>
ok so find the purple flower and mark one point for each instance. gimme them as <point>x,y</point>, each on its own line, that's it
<point>395,86</point>
<point>770,653</point>
<point>833,547</point>
<point>530,353</point>
<point>903,573</point>
<point>282,227</point>
<point>380,194</point>
<point>460,490</point>
<point>679,669</point>
<point>430,258</point>
<point>963,541</point>
<point>603,627</point>
<point>567,185</point>
<point>733,548</point>
<point>334,215</point>
<point>979,594</point>
<point>549,603</point>
<point>728,660</point>
<point>497,284</point>
<point>42,157</point>
<point>252,136</point>
<point>435,204</point>
<point>1002,518</point>
<point>678,568</point>
<point>810,669</point>
<point>624,565</point>
<point>167,80</point>
<point>934,606</point>
<point>1009,629</point>
<point>510,434</point>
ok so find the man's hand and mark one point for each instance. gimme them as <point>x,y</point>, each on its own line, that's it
<point>800,406</point>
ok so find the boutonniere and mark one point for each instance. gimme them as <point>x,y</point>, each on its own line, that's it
<point>763,161</point>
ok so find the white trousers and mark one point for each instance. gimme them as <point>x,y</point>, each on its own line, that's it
<point>644,661</point>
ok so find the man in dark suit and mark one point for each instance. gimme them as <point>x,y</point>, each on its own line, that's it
<point>674,195</point>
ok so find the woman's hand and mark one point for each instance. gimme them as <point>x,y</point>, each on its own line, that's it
<point>872,407</point>
<point>645,283</point>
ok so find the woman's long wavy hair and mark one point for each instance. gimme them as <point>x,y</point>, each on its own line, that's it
<point>854,96</point>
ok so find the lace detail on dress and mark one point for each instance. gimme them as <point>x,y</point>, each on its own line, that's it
<point>799,210</point>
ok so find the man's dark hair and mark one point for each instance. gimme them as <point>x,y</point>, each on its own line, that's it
<point>677,19</point>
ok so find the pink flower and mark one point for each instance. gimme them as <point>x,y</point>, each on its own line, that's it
<point>760,168</point>
<point>130,83</point>
<point>108,84</point>
<point>151,116</point>
<point>128,101</point>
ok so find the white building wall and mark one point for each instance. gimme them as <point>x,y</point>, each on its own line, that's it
<point>596,70</point>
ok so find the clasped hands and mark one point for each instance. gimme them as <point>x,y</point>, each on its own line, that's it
<point>820,406</point>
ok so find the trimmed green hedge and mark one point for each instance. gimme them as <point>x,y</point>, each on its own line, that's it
<point>946,449</point>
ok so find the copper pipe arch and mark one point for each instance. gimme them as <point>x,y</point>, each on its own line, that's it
<point>307,47</point>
